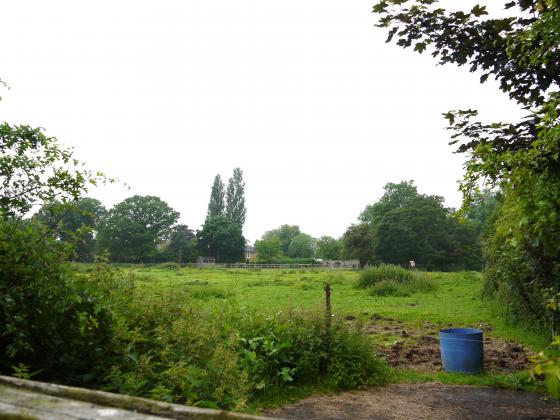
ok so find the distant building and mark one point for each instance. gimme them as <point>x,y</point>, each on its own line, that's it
<point>206,260</point>
<point>250,252</point>
<point>342,264</point>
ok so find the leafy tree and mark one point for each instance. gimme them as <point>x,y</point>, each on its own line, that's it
<point>268,249</point>
<point>481,211</point>
<point>395,196</point>
<point>358,242</point>
<point>35,170</point>
<point>222,239</point>
<point>75,223</point>
<point>50,320</point>
<point>181,246</point>
<point>235,198</point>
<point>285,233</point>
<point>413,226</point>
<point>216,205</point>
<point>135,226</point>
<point>521,52</point>
<point>302,246</point>
<point>328,248</point>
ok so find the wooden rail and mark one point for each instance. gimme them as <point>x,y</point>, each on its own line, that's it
<point>23,399</point>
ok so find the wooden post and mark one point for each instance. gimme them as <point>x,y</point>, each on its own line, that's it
<point>328,304</point>
<point>328,320</point>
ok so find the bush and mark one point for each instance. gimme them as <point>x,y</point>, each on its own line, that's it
<point>51,320</point>
<point>520,269</point>
<point>392,280</point>
<point>224,357</point>
<point>373,275</point>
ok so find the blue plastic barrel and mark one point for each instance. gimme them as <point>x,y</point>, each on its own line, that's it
<point>461,350</point>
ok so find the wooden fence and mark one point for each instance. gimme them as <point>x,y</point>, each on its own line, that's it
<point>244,266</point>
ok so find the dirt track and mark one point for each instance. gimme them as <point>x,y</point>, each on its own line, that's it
<point>423,401</point>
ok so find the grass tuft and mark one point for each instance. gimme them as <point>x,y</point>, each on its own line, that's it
<point>392,280</point>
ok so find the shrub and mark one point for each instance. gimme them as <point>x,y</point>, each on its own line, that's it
<point>51,320</point>
<point>224,357</point>
<point>520,268</point>
<point>351,361</point>
<point>373,275</point>
<point>548,365</point>
<point>392,280</point>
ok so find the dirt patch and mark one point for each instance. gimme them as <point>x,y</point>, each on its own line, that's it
<point>418,348</point>
<point>423,401</point>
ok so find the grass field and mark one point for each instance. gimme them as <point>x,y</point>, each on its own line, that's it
<point>455,302</point>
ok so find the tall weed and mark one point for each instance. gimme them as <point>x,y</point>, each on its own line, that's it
<point>174,349</point>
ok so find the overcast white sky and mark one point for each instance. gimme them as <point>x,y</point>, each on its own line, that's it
<point>304,96</point>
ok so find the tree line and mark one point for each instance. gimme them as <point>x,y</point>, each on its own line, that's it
<point>145,228</point>
<point>403,225</point>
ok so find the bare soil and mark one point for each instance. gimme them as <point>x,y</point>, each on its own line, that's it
<point>418,348</point>
<point>423,401</point>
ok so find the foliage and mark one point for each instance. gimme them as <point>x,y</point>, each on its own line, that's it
<point>50,320</point>
<point>235,198</point>
<point>395,196</point>
<point>408,226</point>
<point>221,356</point>
<point>521,52</point>
<point>135,226</point>
<point>328,248</point>
<point>358,242</point>
<point>285,233</point>
<point>34,170</point>
<point>268,249</point>
<point>222,239</point>
<point>302,246</point>
<point>549,366</point>
<point>376,274</point>
<point>518,274</point>
<point>180,247</point>
<point>392,280</point>
<point>480,212</point>
<point>216,205</point>
<point>75,223</point>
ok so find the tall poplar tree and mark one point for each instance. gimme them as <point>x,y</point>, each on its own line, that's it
<point>216,205</point>
<point>235,198</point>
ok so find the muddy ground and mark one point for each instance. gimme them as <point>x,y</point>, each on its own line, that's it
<point>423,401</point>
<point>418,348</point>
